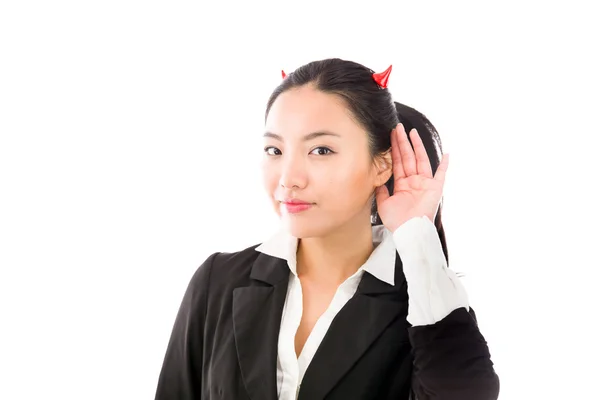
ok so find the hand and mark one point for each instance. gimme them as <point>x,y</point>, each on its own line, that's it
<point>417,192</point>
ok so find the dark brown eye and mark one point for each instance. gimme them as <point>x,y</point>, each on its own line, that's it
<point>272,151</point>
<point>322,151</point>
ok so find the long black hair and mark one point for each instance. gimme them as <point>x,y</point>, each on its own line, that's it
<point>373,108</point>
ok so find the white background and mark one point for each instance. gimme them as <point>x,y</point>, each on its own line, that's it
<point>130,136</point>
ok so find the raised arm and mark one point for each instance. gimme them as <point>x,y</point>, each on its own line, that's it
<point>451,356</point>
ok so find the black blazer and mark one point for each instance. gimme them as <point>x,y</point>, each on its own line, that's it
<point>224,341</point>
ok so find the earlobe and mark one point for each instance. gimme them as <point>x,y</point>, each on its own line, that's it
<point>383,167</point>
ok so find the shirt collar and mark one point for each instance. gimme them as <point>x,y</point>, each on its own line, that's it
<point>381,263</point>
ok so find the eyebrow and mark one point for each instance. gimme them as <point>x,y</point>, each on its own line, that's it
<point>306,138</point>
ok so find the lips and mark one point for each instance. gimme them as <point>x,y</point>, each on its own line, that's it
<point>295,202</point>
<point>294,206</point>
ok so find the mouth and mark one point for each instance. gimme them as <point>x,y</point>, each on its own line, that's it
<point>295,206</point>
<point>296,202</point>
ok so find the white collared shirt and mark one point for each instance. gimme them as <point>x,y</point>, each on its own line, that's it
<point>434,290</point>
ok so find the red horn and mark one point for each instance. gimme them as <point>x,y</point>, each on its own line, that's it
<point>283,75</point>
<point>382,77</point>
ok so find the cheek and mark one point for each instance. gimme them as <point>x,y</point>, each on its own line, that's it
<point>270,181</point>
<point>348,187</point>
<point>268,178</point>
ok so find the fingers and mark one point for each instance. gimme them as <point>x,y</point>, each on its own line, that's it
<point>407,155</point>
<point>397,168</point>
<point>410,160</point>
<point>440,173</point>
<point>423,164</point>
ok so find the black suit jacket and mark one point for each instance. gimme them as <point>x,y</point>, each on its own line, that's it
<point>224,341</point>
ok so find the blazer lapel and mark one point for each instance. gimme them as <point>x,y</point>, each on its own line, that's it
<point>257,311</point>
<point>367,314</point>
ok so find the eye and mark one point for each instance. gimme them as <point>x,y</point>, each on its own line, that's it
<point>323,151</point>
<point>272,151</point>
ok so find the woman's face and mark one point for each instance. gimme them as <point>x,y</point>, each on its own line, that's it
<point>316,153</point>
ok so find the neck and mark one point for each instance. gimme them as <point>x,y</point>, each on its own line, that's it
<point>333,258</point>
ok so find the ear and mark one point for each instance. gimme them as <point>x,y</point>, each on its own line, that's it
<point>383,165</point>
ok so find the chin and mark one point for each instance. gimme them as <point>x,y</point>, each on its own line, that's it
<point>302,229</point>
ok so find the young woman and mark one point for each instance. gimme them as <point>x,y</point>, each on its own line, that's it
<point>352,298</point>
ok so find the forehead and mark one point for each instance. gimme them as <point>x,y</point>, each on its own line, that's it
<point>305,109</point>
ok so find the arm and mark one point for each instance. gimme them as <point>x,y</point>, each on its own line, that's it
<point>181,373</point>
<point>434,290</point>
<point>451,357</point>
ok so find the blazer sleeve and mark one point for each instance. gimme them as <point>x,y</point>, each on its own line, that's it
<point>452,360</point>
<point>181,373</point>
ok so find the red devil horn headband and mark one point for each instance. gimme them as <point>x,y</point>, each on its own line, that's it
<point>381,78</point>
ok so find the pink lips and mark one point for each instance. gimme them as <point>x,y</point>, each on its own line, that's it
<point>294,206</point>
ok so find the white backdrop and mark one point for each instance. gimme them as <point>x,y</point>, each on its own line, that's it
<point>130,136</point>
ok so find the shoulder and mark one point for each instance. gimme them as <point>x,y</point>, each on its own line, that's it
<point>224,269</point>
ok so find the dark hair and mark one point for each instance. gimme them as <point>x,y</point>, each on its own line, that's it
<point>373,108</point>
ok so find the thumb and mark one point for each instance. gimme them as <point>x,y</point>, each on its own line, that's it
<point>381,194</point>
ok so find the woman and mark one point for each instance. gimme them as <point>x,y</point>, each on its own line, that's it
<point>352,298</point>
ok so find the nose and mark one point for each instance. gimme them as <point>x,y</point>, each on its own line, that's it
<point>292,173</point>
